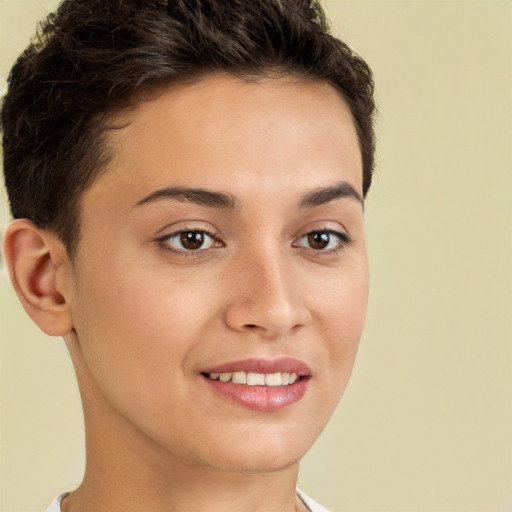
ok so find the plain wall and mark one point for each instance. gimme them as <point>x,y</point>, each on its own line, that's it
<point>426,422</point>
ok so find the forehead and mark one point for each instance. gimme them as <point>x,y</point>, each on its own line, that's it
<point>223,131</point>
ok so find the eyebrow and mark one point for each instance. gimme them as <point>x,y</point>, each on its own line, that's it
<point>224,201</point>
<point>200,196</point>
<point>323,195</point>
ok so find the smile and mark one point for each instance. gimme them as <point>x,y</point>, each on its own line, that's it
<point>259,384</point>
<point>255,379</point>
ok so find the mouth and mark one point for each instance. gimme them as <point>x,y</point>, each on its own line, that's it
<point>255,379</point>
<point>262,385</point>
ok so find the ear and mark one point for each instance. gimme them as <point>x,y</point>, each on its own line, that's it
<point>40,271</point>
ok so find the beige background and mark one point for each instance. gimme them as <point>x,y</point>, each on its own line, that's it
<point>426,423</point>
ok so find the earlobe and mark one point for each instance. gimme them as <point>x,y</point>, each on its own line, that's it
<point>38,265</point>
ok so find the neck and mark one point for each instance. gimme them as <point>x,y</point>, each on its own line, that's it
<point>173,493</point>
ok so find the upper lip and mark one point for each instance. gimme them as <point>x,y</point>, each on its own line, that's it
<point>256,365</point>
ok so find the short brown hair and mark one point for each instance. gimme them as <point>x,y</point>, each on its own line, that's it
<point>92,58</point>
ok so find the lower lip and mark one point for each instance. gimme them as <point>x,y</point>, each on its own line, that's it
<point>261,398</point>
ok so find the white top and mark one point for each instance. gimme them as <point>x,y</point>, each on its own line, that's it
<point>55,504</point>
<point>311,504</point>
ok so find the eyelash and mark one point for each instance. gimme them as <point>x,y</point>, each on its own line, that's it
<point>343,241</point>
<point>164,242</point>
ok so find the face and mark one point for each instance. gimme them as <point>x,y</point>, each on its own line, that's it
<point>220,285</point>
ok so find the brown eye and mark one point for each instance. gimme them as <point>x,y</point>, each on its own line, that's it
<point>319,240</point>
<point>192,240</point>
<point>188,241</point>
<point>325,241</point>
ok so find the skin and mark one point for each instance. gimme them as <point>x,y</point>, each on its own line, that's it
<point>143,316</point>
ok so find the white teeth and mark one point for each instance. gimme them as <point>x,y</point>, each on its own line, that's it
<point>273,379</point>
<point>239,378</point>
<point>256,379</point>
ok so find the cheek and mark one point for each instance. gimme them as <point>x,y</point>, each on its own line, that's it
<point>137,332</point>
<point>341,313</point>
<point>339,310</point>
<point>341,302</point>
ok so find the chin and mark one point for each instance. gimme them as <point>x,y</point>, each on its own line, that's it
<point>268,452</point>
<point>253,463</point>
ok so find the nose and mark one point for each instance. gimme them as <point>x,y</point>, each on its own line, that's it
<point>266,298</point>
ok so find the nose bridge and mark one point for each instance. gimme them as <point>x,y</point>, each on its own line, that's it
<point>266,298</point>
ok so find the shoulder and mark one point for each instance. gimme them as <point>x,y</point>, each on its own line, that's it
<point>310,503</point>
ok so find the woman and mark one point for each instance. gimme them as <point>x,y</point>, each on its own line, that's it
<point>187,181</point>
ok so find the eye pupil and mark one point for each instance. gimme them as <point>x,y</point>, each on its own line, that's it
<point>318,240</point>
<point>192,240</point>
